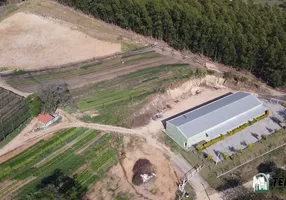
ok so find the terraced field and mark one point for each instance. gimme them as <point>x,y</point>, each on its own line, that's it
<point>59,152</point>
<point>93,72</point>
<point>118,99</point>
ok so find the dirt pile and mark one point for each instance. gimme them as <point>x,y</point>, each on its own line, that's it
<point>143,172</point>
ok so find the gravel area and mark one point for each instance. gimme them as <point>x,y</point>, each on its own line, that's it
<point>252,133</point>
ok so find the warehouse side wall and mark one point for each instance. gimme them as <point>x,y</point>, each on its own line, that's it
<point>173,132</point>
<point>197,138</point>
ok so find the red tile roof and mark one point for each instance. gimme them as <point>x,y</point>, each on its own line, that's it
<point>45,118</point>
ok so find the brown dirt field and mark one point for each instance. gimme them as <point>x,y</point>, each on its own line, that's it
<point>28,41</point>
<point>115,182</point>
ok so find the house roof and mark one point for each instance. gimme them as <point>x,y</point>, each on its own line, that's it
<point>45,118</point>
<point>220,115</point>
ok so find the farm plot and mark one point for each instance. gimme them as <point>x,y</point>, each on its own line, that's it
<point>13,112</point>
<point>93,72</point>
<point>45,157</point>
<point>115,99</point>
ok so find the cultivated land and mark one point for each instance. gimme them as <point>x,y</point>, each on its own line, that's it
<point>69,150</point>
<point>13,112</point>
<point>94,71</point>
<point>120,90</point>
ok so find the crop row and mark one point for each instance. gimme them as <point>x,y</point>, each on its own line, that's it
<point>69,74</point>
<point>37,153</point>
<point>87,137</point>
<point>97,146</point>
<point>98,155</point>
<point>68,162</point>
<point>128,86</point>
<point>102,159</point>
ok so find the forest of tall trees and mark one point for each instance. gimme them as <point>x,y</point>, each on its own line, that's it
<point>245,35</point>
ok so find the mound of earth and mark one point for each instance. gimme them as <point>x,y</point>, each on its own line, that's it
<point>143,168</point>
<point>28,41</point>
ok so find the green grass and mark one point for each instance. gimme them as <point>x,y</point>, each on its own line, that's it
<point>132,85</point>
<point>125,46</point>
<point>99,156</point>
<point>117,99</point>
<point>12,135</point>
<point>78,71</point>
<point>121,196</point>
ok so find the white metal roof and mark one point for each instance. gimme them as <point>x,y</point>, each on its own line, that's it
<point>219,116</point>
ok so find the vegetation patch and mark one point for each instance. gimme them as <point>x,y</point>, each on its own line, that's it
<point>13,112</point>
<point>99,157</point>
<point>260,52</point>
<point>118,99</point>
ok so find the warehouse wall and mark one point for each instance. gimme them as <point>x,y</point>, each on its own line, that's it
<point>197,138</point>
<point>175,134</point>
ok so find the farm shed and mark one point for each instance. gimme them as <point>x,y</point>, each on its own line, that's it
<point>209,121</point>
<point>47,119</point>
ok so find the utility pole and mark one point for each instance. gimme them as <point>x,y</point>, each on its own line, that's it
<point>187,178</point>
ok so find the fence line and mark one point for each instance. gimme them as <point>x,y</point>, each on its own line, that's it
<point>251,160</point>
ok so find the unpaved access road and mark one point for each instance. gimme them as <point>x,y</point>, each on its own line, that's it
<point>18,145</point>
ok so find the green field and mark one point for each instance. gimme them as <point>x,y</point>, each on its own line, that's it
<point>42,159</point>
<point>118,98</point>
<point>79,71</point>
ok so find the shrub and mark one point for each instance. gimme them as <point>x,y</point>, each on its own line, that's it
<point>210,72</point>
<point>239,150</point>
<point>207,144</point>
<point>264,137</point>
<point>284,105</point>
<point>35,104</point>
<point>251,145</point>
<point>225,156</point>
<point>199,148</point>
<point>210,157</point>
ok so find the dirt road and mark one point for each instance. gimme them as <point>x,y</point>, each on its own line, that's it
<point>26,139</point>
<point>4,85</point>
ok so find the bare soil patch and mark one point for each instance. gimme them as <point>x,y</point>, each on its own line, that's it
<point>163,188</point>
<point>29,41</point>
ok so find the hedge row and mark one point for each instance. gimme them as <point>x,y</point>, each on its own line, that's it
<point>229,133</point>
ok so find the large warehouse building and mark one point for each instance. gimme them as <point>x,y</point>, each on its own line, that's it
<point>213,119</point>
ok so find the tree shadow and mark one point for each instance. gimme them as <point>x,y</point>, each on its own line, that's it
<point>269,130</point>
<point>282,113</point>
<point>266,167</point>
<point>276,120</point>
<point>243,142</point>
<point>217,153</point>
<point>232,149</point>
<point>230,182</point>
<point>60,184</point>
<point>255,135</point>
